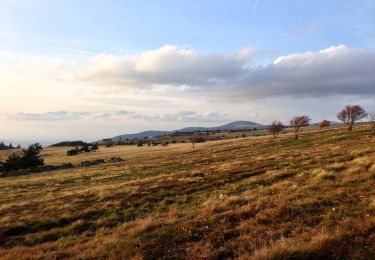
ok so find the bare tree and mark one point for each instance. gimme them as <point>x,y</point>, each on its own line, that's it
<point>371,117</point>
<point>350,114</point>
<point>193,139</point>
<point>297,122</point>
<point>275,128</point>
<point>197,139</point>
<point>324,123</point>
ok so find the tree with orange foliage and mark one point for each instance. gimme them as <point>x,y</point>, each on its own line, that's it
<point>324,123</point>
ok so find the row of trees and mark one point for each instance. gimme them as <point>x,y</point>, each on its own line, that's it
<point>8,147</point>
<point>349,115</point>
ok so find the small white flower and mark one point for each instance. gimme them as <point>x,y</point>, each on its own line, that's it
<point>221,196</point>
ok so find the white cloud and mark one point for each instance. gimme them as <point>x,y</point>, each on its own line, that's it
<point>174,87</point>
<point>191,116</point>
<point>182,116</point>
<point>168,65</point>
<point>338,70</point>
<point>48,116</point>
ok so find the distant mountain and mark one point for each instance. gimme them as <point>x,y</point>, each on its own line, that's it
<point>150,133</point>
<point>194,129</point>
<point>240,125</point>
<point>237,125</point>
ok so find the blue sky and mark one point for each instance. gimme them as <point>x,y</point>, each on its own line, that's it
<point>127,66</point>
<point>209,26</point>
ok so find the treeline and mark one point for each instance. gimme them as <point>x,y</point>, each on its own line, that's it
<point>69,143</point>
<point>8,147</point>
<point>213,131</point>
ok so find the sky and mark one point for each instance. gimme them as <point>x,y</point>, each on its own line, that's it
<point>87,70</point>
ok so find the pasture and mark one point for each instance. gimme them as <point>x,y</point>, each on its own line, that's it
<point>252,197</point>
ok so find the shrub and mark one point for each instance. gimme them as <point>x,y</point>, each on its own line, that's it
<point>324,123</point>
<point>30,157</point>
<point>95,147</point>
<point>197,139</point>
<point>85,148</point>
<point>73,152</point>
<point>200,139</point>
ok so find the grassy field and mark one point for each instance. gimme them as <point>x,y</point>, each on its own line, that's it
<point>254,197</point>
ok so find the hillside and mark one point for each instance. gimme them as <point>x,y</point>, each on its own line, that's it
<point>248,198</point>
<point>139,135</point>
<point>237,125</point>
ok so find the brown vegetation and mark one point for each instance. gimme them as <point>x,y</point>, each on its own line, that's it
<point>249,198</point>
<point>324,123</point>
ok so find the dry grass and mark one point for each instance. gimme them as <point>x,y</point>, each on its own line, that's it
<point>246,198</point>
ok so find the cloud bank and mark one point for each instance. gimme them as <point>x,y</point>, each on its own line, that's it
<point>181,116</point>
<point>174,87</point>
<point>168,65</point>
<point>337,70</point>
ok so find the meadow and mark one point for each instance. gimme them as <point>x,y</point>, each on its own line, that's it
<point>245,198</point>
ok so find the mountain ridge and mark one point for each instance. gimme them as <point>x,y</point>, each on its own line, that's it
<point>235,125</point>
